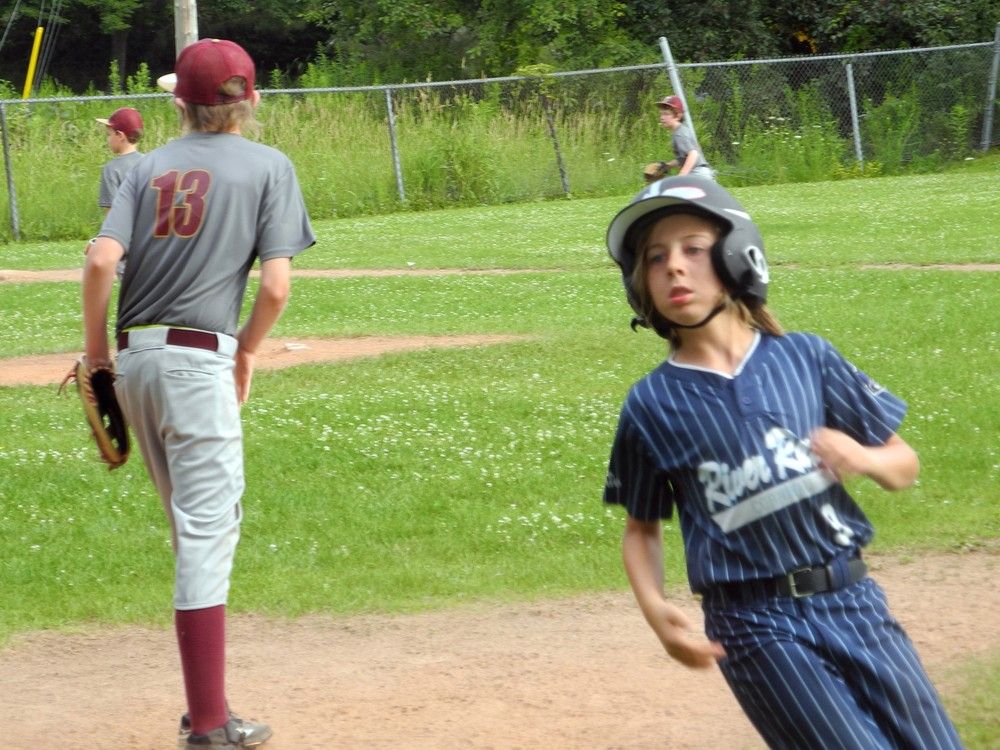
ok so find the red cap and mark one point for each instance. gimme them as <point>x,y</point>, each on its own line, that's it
<point>204,66</point>
<point>672,101</point>
<point>126,119</point>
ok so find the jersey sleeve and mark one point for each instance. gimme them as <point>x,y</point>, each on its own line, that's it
<point>283,228</point>
<point>855,403</point>
<point>109,184</point>
<point>119,222</point>
<point>633,478</point>
<point>683,142</point>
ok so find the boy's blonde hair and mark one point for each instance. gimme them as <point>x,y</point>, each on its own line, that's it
<point>223,118</point>
<point>759,318</point>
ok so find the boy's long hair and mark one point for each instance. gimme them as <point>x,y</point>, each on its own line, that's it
<point>759,318</point>
<point>223,118</point>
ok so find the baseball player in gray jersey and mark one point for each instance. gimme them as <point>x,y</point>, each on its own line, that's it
<point>191,219</point>
<point>748,433</point>
<point>124,128</point>
<point>688,156</point>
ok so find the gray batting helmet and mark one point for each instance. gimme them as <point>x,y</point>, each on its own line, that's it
<point>737,257</point>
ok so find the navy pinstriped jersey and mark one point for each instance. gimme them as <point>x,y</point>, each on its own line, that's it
<point>732,455</point>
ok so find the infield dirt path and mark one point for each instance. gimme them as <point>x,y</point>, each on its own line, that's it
<point>584,672</point>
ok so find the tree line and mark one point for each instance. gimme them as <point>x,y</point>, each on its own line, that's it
<point>362,42</point>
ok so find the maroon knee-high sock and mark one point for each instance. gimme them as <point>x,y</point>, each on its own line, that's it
<point>201,637</point>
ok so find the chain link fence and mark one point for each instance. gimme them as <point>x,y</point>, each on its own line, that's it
<point>366,150</point>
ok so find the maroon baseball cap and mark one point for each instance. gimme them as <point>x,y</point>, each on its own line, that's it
<point>674,102</point>
<point>204,66</point>
<point>126,119</point>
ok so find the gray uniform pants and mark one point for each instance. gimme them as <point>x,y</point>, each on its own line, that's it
<point>181,404</point>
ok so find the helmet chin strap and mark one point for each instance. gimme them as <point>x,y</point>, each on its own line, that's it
<point>718,308</point>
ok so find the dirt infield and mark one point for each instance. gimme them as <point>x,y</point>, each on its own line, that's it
<point>49,369</point>
<point>76,274</point>
<point>581,673</point>
<point>27,277</point>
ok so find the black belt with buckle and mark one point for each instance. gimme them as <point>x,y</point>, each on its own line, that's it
<point>181,337</point>
<point>796,584</point>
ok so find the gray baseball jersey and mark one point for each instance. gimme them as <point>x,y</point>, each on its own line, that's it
<point>684,141</point>
<point>113,175</point>
<point>194,216</point>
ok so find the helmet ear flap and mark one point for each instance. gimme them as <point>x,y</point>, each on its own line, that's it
<point>739,261</point>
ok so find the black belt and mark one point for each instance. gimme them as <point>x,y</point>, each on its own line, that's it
<point>797,584</point>
<point>181,337</point>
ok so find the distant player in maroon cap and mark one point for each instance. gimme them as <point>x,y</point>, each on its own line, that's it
<point>124,128</point>
<point>688,156</point>
<point>192,218</point>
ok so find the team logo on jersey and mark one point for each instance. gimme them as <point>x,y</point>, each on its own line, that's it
<point>761,484</point>
<point>868,382</point>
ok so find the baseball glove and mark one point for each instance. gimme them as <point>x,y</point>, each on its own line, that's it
<point>96,386</point>
<point>656,170</point>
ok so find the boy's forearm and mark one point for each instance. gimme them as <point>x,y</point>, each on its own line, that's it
<point>642,554</point>
<point>895,465</point>
<point>272,296</point>
<point>98,279</point>
<point>689,162</point>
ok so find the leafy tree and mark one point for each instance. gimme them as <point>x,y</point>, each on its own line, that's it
<point>115,19</point>
<point>416,39</point>
<point>705,30</point>
<point>863,25</point>
<point>380,41</point>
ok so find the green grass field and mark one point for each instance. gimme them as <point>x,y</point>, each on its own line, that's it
<point>426,479</point>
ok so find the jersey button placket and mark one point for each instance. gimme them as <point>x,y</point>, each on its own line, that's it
<point>747,399</point>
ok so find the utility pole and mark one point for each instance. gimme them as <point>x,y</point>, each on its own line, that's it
<point>185,23</point>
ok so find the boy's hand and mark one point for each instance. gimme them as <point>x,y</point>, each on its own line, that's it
<point>840,456</point>
<point>243,374</point>
<point>675,632</point>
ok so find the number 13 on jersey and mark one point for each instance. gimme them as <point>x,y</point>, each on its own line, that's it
<point>180,203</point>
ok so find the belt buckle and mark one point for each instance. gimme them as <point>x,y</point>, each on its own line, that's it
<point>792,588</point>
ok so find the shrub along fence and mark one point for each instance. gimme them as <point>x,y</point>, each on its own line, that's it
<point>539,134</point>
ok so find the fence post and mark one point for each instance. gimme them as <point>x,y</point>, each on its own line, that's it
<point>551,122</point>
<point>15,219</point>
<point>855,128</point>
<point>991,93</point>
<point>675,81</point>
<point>395,148</point>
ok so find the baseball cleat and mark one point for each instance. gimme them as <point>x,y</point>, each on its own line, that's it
<point>236,733</point>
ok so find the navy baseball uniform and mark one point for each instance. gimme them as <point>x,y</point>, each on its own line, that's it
<point>772,540</point>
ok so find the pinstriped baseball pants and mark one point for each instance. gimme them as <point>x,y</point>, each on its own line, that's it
<point>832,671</point>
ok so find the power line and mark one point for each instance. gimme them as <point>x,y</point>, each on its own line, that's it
<point>49,42</point>
<point>10,22</point>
